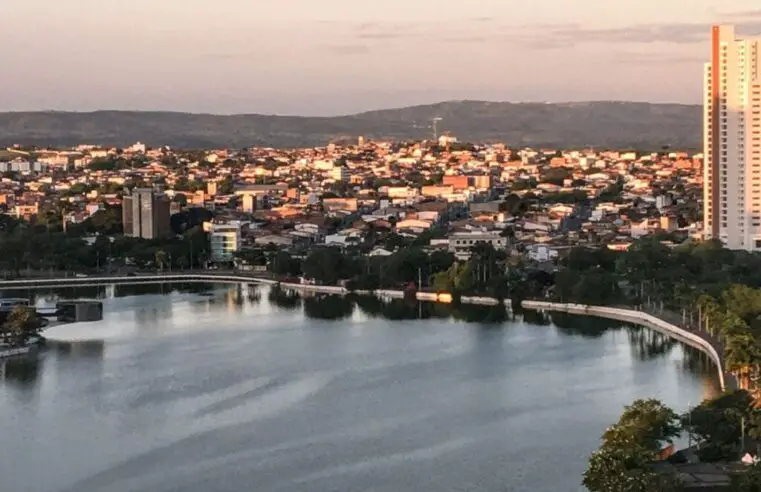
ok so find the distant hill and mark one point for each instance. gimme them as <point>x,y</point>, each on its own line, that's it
<point>599,124</point>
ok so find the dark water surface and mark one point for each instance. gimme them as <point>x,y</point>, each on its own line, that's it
<point>237,391</point>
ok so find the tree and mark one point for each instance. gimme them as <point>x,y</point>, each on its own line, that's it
<point>324,265</point>
<point>717,425</point>
<point>394,241</point>
<point>626,470</point>
<point>622,464</point>
<point>181,199</point>
<point>284,264</point>
<point>649,423</point>
<point>514,205</point>
<point>456,280</point>
<point>21,324</point>
<point>748,480</point>
<point>161,259</point>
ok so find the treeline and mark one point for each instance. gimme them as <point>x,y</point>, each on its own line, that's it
<point>487,271</point>
<point>97,244</point>
<point>650,273</point>
<point>655,274</point>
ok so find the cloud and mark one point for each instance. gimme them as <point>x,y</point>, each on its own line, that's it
<point>348,49</point>
<point>542,36</point>
<point>636,34</point>
<point>468,39</point>
<point>553,37</point>
<point>228,55</point>
<point>382,31</point>
<point>625,57</point>
<point>380,35</point>
<point>745,15</point>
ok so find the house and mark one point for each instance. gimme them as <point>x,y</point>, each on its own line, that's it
<point>380,252</point>
<point>541,252</point>
<point>413,225</point>
<point>274,239</point>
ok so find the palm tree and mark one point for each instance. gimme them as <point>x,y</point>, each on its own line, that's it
<point>161,259</point>
<point>707,310</point>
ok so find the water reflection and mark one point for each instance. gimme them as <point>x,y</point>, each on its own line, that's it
<point>21,371</point>
<point>695,362</point>
<point>328,307</point>
<point>578,325</point>
<point>644,344</point>
<point>48,295</point>
<point>284,298</point>
<point>91,349</point>
<point>155,314</point>
<point>648,344</point>
<point>540,318</point>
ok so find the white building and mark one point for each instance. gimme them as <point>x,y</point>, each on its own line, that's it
<point>732,141</point>
<point>461,243</point>
<point>340,173</point>
<point>541,253</point>
<point>225,241</point>
<point>138,148</point>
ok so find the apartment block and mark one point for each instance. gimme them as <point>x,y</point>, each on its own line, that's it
<point>732,141</point>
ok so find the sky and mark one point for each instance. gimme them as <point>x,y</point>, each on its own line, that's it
<point>327,57</point>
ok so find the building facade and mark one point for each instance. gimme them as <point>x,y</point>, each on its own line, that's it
<point>225,241</point>
<point>732,141</point>
<point>461,243</point>
<point>145,214</point>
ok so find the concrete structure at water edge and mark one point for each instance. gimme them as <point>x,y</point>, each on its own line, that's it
<point>692,339</point>
<point>79,311</point>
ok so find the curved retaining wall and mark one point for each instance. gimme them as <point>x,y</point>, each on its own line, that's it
<point>640,318</point>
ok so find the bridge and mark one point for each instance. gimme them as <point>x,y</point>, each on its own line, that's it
<point>160,278</point>
<point>163,278</point>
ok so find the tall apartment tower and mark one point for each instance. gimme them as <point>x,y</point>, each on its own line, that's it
<point>732,141</point>
<point>145,214</point>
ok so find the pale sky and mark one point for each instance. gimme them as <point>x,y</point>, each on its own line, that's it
<point>325,57</point>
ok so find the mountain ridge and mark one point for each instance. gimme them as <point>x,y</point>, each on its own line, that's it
<point>610,124</point>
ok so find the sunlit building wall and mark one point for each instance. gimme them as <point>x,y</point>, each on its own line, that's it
<point>732,141</point>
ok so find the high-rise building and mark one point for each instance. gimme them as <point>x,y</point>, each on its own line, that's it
<point>732,141</point>
<point>145,214</point>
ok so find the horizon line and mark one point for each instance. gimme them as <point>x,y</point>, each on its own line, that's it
<point>357,113</point>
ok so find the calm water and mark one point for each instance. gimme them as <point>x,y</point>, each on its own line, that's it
<point>230,391</point>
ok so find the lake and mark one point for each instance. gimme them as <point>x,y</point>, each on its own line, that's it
<point>233,388</point>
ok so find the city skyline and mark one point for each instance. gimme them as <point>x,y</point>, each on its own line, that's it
<point>296,58</point>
